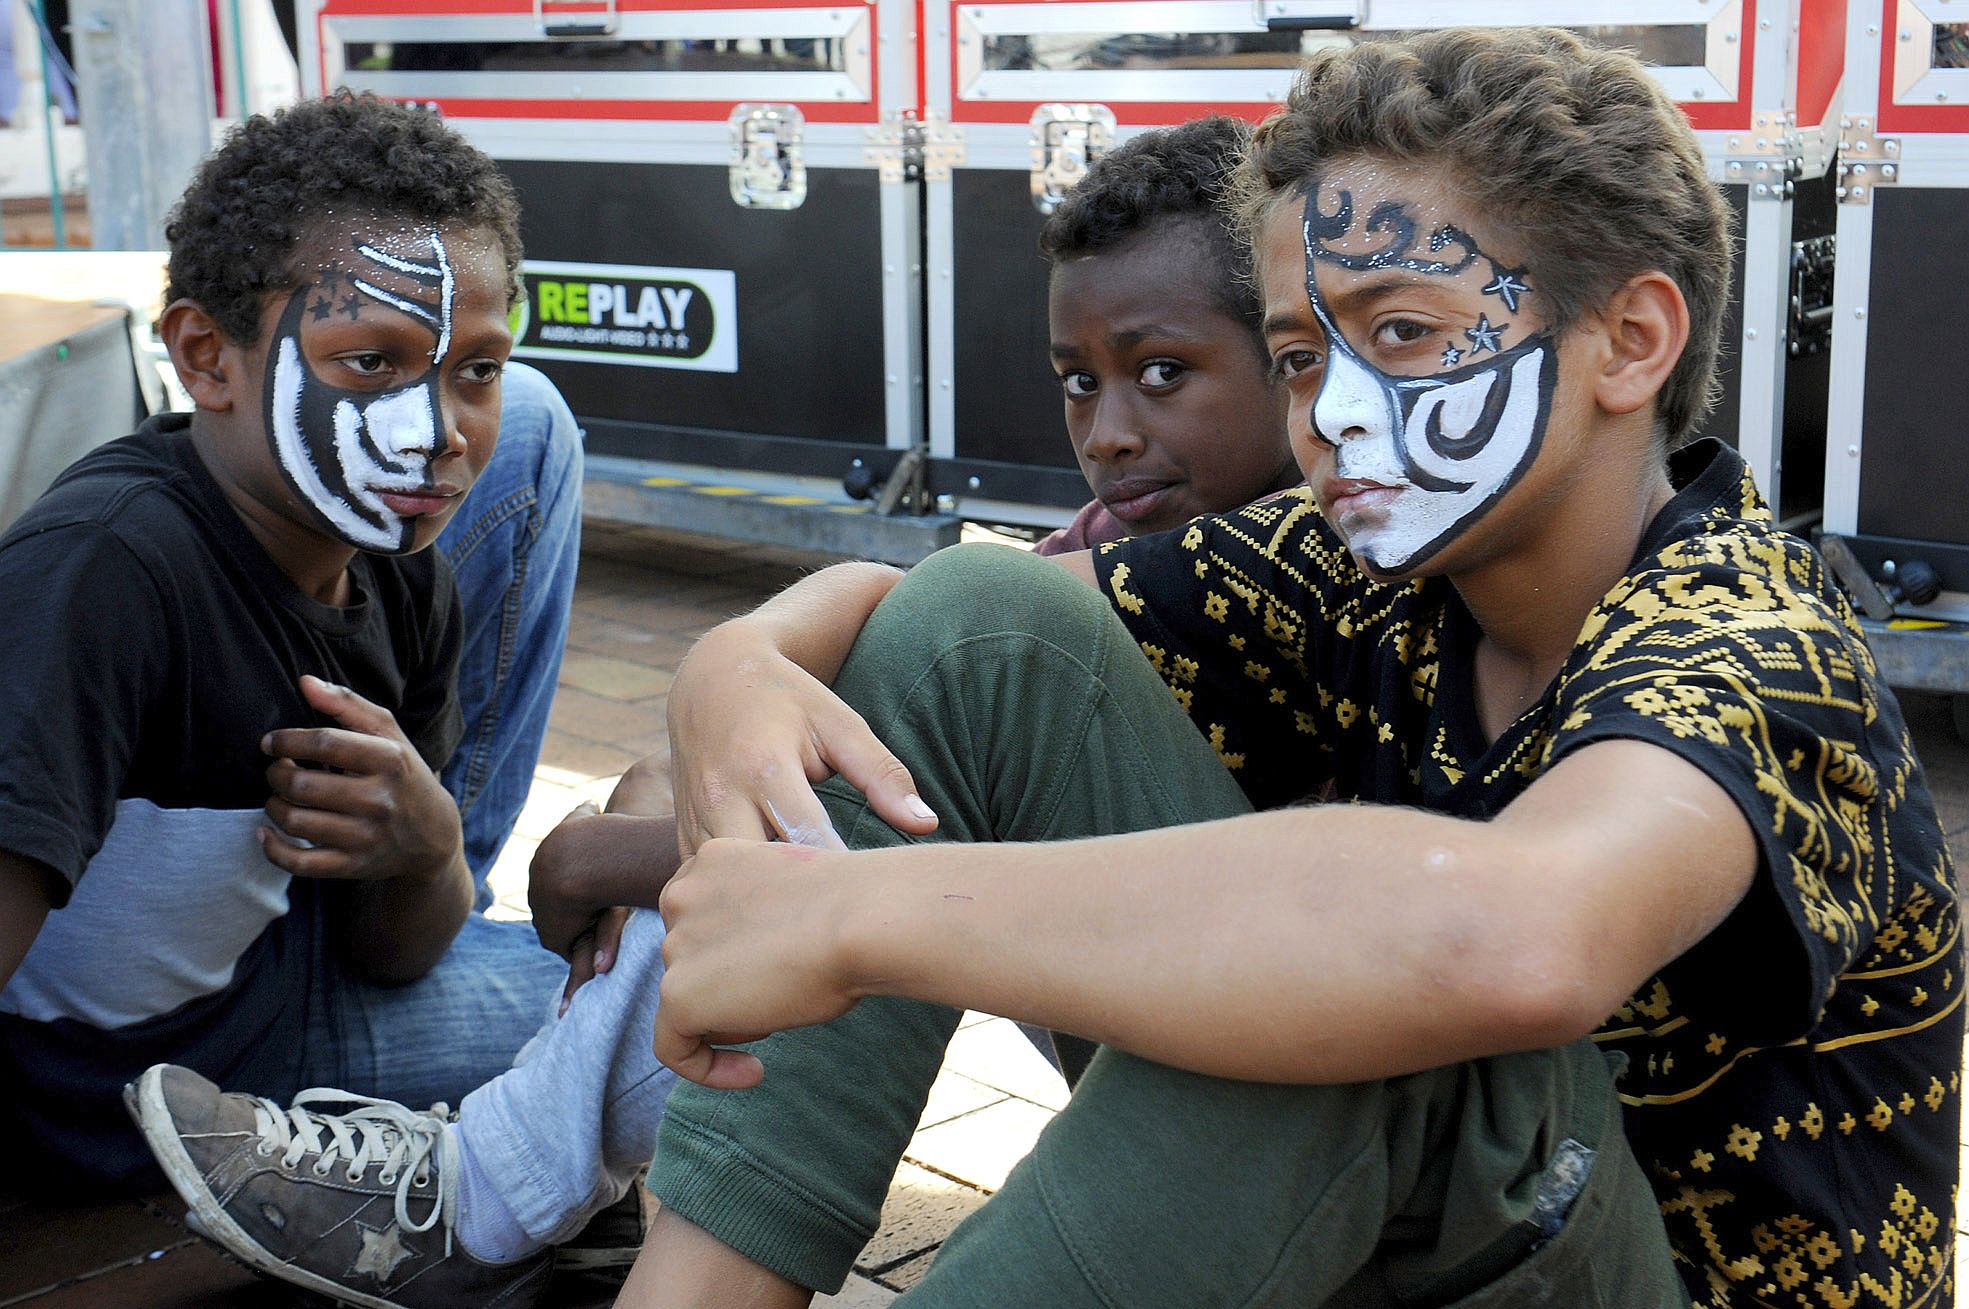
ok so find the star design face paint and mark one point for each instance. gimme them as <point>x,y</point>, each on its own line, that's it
<point>1418,459</point>
<point>342,451</point>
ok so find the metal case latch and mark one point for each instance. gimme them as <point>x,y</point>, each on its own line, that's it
<point>906,148</point>
<point>1066,140</point>
<point>1809,322</point>
<point>575,17</point>
<point>1866,161</point>
<point>767,171</point>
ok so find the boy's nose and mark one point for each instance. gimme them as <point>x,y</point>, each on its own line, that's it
<point>1351,403</point>
<point>403,423</point>
<point>1114,433</point>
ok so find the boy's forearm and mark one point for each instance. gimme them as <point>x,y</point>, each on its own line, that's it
<point>27,891</point>
<point>399,927</point>
<point>815,621</point>
<point>1331,944</point>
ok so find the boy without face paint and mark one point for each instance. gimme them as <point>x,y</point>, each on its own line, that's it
<point>1625,781</point>
<point>1154,321</point>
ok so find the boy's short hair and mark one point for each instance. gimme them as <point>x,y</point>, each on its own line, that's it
<point>1171,174</point>
<point>1576,149</point>
<point>260,196</point>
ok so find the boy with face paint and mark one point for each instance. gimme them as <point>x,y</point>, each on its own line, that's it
<point>1154,325</point>
<point>259,743</point>
<point>1632,975</point>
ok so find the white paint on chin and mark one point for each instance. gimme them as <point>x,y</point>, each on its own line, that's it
<point>291,445</point>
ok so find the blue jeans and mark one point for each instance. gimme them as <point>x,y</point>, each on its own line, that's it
<point>513,548</point>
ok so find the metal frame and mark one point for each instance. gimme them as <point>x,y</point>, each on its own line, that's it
<point>1717,78</point>
<point>884,79</point>
<point>1936,157</point>
<point>1916,80</point>
<point>1767,148</point>
<point>848,25</point>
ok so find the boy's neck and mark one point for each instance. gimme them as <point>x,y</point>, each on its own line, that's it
<point>1531,602</point>
<point>318,565</point>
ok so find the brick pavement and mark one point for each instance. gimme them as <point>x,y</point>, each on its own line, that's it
<point>643,597</point>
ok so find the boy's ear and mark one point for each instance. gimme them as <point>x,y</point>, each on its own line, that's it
<point>1646,327</point>
<point>208,364</point>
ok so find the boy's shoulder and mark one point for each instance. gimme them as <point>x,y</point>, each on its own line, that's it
<point>1717,578</point>
<point>138,490</point>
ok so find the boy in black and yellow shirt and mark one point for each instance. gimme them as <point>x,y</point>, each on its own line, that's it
<point>1631,975</point>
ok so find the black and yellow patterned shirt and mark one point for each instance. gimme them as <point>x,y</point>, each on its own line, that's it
<point>1792,1080</point>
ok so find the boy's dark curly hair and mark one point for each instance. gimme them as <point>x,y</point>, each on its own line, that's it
<point>258,199</point>
<point>1164,177</point>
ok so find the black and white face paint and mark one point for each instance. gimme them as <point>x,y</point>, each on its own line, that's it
<point>1449,444</point>
<point>341,451</point>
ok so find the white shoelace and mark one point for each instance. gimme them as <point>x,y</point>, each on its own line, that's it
<point>400,1138</point>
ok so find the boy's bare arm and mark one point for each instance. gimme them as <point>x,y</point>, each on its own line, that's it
<point>753,724</point>
<point>28,889</point>
<point>1081,564</point>
<point>372,813</point>
<point>1330,944</point>
<point>682,1266</point>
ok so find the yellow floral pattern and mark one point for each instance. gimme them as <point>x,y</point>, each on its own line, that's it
<point>1793,1081</point>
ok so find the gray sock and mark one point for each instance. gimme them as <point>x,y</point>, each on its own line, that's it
<point>484,1225</point>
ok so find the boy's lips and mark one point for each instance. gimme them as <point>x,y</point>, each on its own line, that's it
<point>1133,499</point>
<point>420,503</point>
<point>1347,494</point>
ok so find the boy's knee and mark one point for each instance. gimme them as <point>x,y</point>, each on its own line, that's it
<point>980,589</point>
<point>535,424</point>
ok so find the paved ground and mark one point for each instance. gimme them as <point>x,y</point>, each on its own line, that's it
<point>643,597</point>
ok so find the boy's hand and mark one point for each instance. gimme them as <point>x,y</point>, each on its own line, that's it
<point>587,875</point>
<point>751,949</point>
<point>368,804</point>
<point>751,732</point>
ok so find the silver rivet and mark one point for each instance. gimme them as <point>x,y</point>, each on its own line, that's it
<point>1873,29</point>
<point>975,483</point>
<point>1853,451</point>
<point>1750,334</point>
<point>1859,313</point>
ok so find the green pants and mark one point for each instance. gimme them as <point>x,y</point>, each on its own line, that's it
<point>1026,713</point>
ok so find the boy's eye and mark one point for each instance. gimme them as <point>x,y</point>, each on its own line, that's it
<point>1290,364</point>
<point>1077,383</point>
<point>482,370</point>
<point>1160,373</point>
<point>1402,331</point>
<point>369,363</point>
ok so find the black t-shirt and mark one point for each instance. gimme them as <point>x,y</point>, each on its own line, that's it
<point>1793,1080</point>
<point>152,643</point>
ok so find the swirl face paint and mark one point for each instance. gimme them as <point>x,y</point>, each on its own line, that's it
<point>343,451</point>
<point>1420,458</point>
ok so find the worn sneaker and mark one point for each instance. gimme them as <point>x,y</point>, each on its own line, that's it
<point>355,1205</point>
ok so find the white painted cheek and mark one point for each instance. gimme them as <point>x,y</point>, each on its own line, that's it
<point>1461,406</point>
<point>291,446</point>
<point>1420,520</point>
<point>359,469</point>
